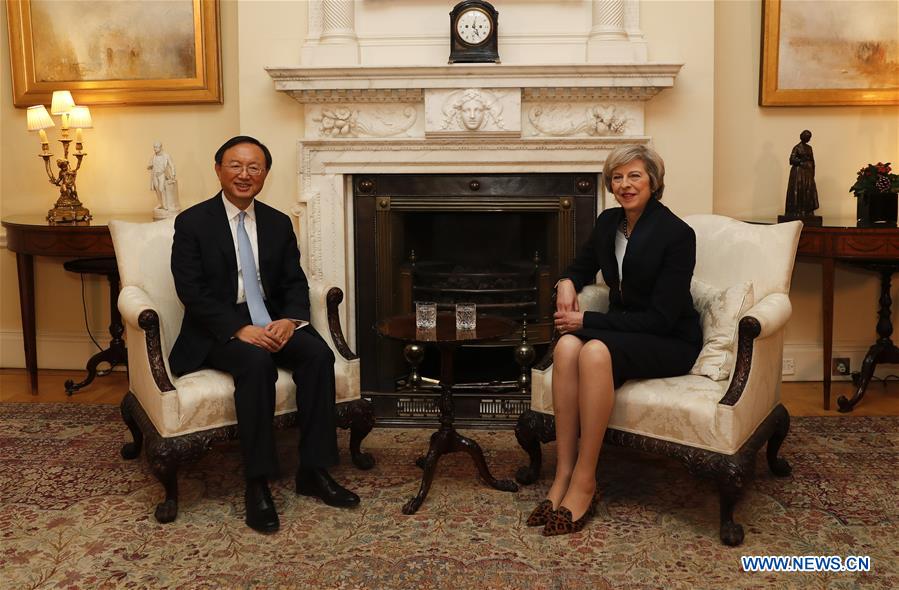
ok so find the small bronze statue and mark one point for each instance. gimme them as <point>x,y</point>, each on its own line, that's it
<point>802,194</point>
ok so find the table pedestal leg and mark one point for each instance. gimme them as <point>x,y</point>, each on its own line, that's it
<point>883,351</point>
<point>116,353</point>
<point>827,274</point>
<point>25,268</point>
<point>447,440</point>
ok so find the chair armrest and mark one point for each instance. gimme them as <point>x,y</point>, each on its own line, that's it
<point>772,312</point>
<point>138,313</point>
<point>326,300</point>
<point>766,318</point>
<point>594,297</point>
<point>133,301</point>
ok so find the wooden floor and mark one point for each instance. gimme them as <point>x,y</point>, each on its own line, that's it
<point>800,398</point>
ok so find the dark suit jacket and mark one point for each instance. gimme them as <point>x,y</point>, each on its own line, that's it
<point>654,296</point>
<point>204,265</point>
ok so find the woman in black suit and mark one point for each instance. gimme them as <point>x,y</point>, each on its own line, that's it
<point>646,255</point>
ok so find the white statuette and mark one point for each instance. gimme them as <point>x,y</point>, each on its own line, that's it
<point>163,183</point>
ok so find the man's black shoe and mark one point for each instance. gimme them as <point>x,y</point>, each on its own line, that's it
<point>316,482</point>
<point>261,513</point>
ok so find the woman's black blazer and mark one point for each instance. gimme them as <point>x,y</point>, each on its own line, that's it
<point>654,296</point>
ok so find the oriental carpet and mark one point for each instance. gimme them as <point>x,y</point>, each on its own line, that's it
<point>74,514</point>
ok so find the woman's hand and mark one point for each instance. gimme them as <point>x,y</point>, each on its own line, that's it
<point>568,321</point>
<point>566,296</point>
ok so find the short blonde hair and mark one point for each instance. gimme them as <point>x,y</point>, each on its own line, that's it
<point>652,161</point>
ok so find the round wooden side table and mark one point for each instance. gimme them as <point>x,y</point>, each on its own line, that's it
<point>447,339</point>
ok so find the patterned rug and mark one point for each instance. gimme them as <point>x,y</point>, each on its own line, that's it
<point>73,514</point>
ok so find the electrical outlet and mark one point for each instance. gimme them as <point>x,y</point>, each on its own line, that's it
<point>840,366</point>
<point>789,366</point>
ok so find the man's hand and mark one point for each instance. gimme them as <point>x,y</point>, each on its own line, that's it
<point>566,296</point>
<point>568,321</point>
<point>281,330</point>
<point>260,337</point>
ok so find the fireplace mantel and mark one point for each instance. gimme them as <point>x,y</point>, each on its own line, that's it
<point>637,81</point>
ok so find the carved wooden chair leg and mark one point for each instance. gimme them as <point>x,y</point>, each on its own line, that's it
<point>527,432</point>
<point>729,490</point>
<point>131,450</point>
<point>359,416</point>
<point>363,420</point>
<point>779,465</point>
<point>165,468</point>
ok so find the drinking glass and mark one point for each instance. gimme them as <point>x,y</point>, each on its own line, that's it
<point>425,314</point>
<point>466,316</point>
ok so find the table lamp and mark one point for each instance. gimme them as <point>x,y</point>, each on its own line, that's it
<point>68,209</point>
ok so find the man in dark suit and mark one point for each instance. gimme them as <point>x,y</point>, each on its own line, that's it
<point>246,312</point>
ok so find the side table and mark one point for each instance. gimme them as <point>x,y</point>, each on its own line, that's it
<point>840,240</point>
<point>29,236</point>
<point>447,339</point>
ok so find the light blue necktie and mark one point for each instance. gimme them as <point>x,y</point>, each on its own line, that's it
<point>258,313</point>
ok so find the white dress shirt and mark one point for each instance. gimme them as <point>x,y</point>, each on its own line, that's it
<point>249,223</point>
<point>620,249</point>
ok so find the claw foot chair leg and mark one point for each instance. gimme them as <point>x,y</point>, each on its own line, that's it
<point>531,429</point>
<point>131,450</point>
<point>166,471</point>
<point>359,416</point>
<point>731,533</point>
<point>778,465</point>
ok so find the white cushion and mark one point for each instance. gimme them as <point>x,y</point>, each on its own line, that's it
<point>719,311</point>
<point>677,409</point>
<point>207,399</point>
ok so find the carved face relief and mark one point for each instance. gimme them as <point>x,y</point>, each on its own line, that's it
<point>472,113</point>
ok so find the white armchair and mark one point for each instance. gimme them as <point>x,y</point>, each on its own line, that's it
<point>716,418</point>
<point>177,419</point>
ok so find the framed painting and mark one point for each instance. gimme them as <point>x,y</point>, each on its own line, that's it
<point>108,52</point>
<point>830,52</point>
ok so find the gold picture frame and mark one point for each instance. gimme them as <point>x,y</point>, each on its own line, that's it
<point>802,64</point>
<point>127,61</point>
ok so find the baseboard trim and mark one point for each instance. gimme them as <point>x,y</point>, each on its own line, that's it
<point>807,359</point>
<point>55,350</point>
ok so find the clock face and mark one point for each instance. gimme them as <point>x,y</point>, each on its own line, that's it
<point>473,26</point>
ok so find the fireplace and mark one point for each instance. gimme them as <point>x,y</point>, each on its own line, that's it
<point>498,240</point>
<point>375,136</point>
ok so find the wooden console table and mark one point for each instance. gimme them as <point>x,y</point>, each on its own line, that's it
<point>29,236</point>
<point>876,248</point>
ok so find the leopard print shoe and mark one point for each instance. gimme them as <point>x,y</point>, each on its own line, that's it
<point>541,513</point>
<point>560,522</point>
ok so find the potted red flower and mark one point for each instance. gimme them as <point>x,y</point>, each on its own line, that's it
<point>876,188</point>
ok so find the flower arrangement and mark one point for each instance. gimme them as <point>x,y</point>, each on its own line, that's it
<point>875,178</point>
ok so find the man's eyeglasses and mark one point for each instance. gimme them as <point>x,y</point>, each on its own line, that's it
<point>237,169</point>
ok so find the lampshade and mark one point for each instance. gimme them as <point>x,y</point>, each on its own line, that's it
<point>38,118</point>
<point>62,102</point>
<point>80,118</point>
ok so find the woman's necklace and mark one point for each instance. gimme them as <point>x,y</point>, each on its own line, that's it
<point>623,228</point>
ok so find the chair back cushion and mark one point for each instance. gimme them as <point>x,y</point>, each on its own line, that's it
<point>730,252</point>
<point>144,253</point>
<point>737,265</point>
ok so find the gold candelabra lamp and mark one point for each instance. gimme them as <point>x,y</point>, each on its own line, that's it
<point>68,209</point>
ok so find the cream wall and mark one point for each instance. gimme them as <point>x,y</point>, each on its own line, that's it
<point>715,139</point>
<point>752,148</point>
